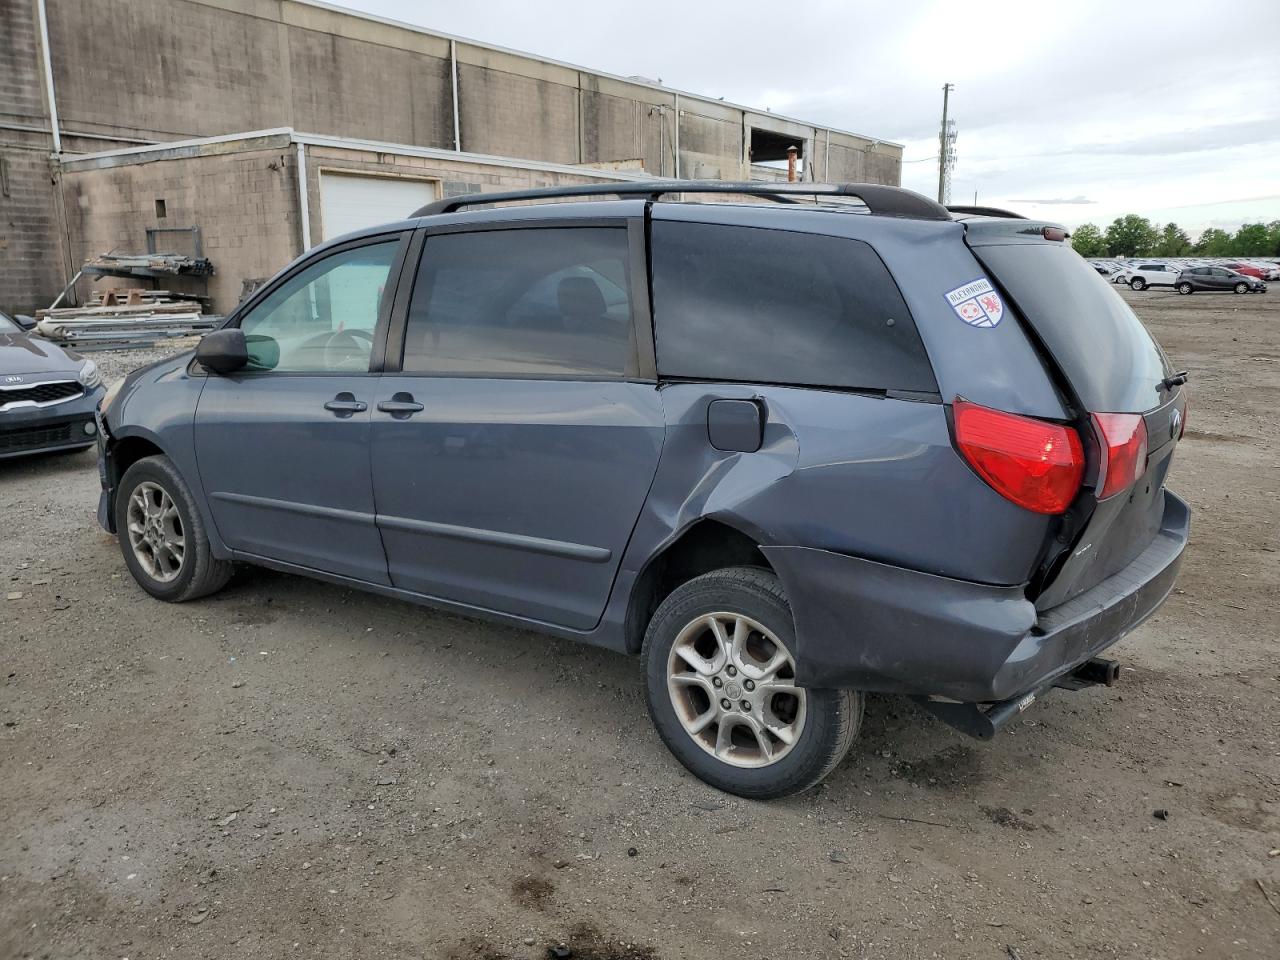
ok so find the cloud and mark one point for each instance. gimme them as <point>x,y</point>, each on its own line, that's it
<point>1219,136</point>
<point>1058,200</point>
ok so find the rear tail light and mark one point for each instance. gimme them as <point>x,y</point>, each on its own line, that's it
<point>1036,464</point>
<point>1122,438</point>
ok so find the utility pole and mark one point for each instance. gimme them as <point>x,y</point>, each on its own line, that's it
<point>946,147</point>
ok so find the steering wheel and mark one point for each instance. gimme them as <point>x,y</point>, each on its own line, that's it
<point>343,350</point>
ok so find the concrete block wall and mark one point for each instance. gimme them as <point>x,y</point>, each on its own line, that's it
<point>347,89</point>
<point>130,71</point>
<point>30,254</point>
<point>171,69</point>
<point>244,202</point>
<point>21,94</point>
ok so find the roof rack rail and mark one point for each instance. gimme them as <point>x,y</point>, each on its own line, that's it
<point>985,212</point>
<point>881,200</point>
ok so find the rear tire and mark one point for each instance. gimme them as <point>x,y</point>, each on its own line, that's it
<point>162,535</point>
<point>1137,283</point>
<point>719,660</point>
<point>1185,288</point>
<point>1241,288</point>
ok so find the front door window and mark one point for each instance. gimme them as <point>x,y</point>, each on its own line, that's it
<point>323,319</point>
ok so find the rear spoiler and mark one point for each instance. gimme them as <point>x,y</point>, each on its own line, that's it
<point>969,211</point>
<point>1012,229</point>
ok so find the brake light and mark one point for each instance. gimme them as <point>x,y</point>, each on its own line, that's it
<point>1122,438</point>
<point>1036,464</point>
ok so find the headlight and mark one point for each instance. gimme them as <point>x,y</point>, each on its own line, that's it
<point>90,376</point>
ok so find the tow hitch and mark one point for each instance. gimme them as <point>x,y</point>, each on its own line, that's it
<point>1092,673</point>
<point>984,722</point>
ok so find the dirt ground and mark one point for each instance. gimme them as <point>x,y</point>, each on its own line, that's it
<point>292,770</point>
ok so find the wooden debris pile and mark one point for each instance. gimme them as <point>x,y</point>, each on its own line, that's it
<point>123,318</point>
<point>147,265</point>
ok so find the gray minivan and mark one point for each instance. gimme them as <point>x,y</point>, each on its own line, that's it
<point>787,452</point>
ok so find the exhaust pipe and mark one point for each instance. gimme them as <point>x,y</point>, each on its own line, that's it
<point>1098,671</point>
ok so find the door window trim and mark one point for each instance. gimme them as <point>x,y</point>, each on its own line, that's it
<point>386,309</point>
<point>638,282</point>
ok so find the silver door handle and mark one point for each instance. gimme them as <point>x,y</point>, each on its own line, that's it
<point>402,405</point>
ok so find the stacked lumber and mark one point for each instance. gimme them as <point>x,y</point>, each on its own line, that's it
<point>124,317</point>
<point>123,328</point>
<point>148,265</point>
<point>133,296</point>
<point>121,310</point>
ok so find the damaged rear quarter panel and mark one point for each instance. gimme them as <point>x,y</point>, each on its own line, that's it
<point>855,474</point>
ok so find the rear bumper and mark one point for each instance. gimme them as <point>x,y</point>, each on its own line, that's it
<point>59,426</point>
<point>877,627</point>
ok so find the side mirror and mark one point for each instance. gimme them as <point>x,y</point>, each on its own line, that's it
<point>223,351</point>
<point>25,322</point>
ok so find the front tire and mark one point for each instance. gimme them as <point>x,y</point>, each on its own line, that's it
<point>1184,288</point>
<point>1137,283</point>
<point>1242,288</point>
<point>719,659</point>
<point>162,535</point>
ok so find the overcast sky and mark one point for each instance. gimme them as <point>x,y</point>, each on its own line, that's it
<point>1169,109</point>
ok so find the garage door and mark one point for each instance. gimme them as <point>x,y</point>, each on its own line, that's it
<point>352,203</point>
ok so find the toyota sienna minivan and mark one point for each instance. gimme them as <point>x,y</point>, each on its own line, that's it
<point>788,452</point>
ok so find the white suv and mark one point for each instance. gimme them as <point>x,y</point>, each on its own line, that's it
<point>1143,275</point>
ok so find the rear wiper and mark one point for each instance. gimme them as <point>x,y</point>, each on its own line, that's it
<point>1177,380</point>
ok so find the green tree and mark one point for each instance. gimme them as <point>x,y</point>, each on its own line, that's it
<point>1173,241</point>
<point>1088,242</point>
<point>1213,243</point>
<point>1131,236</point>
<point>1250,240</point>
<point>1273,238</point>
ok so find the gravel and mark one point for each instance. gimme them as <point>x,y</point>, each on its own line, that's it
<point>293,769</point>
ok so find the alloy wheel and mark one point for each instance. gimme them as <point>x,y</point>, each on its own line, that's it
<point>155,532</point>
<point>732,684</point>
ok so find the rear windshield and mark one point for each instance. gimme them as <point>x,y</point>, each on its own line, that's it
<point>769,306</point>
<point>1102,348</point>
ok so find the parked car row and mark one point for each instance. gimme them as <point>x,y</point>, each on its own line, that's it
<point>1187,275</point>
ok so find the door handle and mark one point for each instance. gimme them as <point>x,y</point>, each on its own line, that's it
<point>345,404</point>
<point>400,406</point>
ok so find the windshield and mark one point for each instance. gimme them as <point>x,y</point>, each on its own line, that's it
<point>1099,343</point>
<point>8,326</point>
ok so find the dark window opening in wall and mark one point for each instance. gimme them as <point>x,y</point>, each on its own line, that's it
<point>4,177</point>
<point>161,212</point>
<point>769,149</point>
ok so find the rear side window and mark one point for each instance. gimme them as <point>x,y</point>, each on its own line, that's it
<point>525,302</point>
<point>1099,344</point>
<point>771,306</point>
